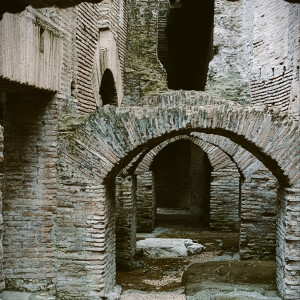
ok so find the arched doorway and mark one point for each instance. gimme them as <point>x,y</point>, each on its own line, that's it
<point>182,184</point>
<point>266,135</point>
<point>108,91</point>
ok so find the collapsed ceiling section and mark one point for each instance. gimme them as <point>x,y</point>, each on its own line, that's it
<point>16,6</point>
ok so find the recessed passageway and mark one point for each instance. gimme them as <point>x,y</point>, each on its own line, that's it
<point>182,183</point>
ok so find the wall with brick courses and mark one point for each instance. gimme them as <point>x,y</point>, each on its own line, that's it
<point>276,52</point>
<point>2,282</point>
<point>224,200</point>
<point>260,131</point>
<point>224,186</point>
<point>162,40</point>
<point>84,233</point>
<point>146,204</point>
<point>87,36</point>
<point>97,151</point>
<point>113,14</point>
<point>259,194</point>
<point>29,191</point>
<point>126,211</point>
<point>35,43</point>
<point>259,203</point>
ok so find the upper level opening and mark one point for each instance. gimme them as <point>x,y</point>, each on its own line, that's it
<point>108,91</point>
<point>185,44</point>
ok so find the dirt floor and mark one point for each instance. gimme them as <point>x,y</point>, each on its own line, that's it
<point>162,275</point>
<point>156,279</point>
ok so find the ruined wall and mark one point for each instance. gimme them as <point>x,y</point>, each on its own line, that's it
<point>227,74</point>
<point>126,206</point>
<point>33,46</point>
<point>144,74</point>
<point>224,199</point>
<point>147,126</point>
<point>223,189</point>
<point>87,36</point>
<point>2,282</point>
<point>276,54</point>
<point>100,45</point>
<point>259,208</point>
<point>146,204</point>
<point>29,191</point>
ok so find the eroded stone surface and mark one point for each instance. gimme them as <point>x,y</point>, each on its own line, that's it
<point>167,248</point>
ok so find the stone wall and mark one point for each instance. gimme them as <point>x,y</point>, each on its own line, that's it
<point>259,210</point>
<point>144,74</point>
<point>126,210</point>
<point>146,204</point>
<point>224,185</point>
<point>2,282</point>
<point>224,199</point>
<point>141,127</point>
<point>87,36</point>
<point>276,52</point>
<point>29,191</point>
<point>227,74</point>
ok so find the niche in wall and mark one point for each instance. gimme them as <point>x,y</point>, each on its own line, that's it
<point>108,91</point>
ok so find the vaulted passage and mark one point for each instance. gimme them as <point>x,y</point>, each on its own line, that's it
<point>189,38</point>
<point>182,181</point>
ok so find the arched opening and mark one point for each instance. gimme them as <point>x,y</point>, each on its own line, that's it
<point>185,46</point>
<point>108,91</point>
<point>182,184</point>
<point>116,149</point>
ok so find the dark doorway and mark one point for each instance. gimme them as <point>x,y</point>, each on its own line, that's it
<point>189,38</point>
<point>108,91</point>
<point>182,181</point>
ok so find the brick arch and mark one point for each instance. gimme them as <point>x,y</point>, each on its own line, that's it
<point>119,135</point>
<point>218,158</point>
<point>91,154</point>
<point>258,191</point>
<point>224,202</point>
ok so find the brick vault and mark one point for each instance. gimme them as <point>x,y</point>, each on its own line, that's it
<point>86,111</point>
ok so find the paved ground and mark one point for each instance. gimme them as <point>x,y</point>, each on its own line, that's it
<point>138,296</point>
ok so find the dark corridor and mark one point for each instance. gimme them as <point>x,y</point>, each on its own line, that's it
<point>182,179</point>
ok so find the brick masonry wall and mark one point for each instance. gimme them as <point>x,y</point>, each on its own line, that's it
<point>118,25</point>
<point>97,152</point>
<point>29,192</point>
<point>84,233</point>
<point>275,69</point>
<point>224,202</point>
<point>126,206</point>
<point>87,36</point>
<point>200,169</point>
<point>224,199</point>
<point>259,209</point>
<point>146,204</point>
<point>2,282</point>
